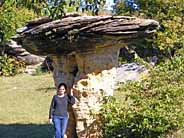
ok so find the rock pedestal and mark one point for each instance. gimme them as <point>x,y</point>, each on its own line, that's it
<point>91,75</point>
<point>84,51</point>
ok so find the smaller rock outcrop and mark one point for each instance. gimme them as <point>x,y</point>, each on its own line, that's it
<point>130,71</point>
<point>31,61</point>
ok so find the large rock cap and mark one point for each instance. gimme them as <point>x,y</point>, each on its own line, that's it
<point>80,33</point>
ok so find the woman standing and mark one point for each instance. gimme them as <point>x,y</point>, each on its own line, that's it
<point>58,113</point>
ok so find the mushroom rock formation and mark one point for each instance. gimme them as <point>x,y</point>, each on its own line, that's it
<point>84,51</point>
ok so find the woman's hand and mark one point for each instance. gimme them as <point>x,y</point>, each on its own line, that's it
<point>71,92</point>
<point>50,120</point>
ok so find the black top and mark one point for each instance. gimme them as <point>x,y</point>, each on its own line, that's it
<point>59,105</point>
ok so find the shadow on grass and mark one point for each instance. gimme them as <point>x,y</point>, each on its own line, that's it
<point>26,131</point>
<point>46,89</point>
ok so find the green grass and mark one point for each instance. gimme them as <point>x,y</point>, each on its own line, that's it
<point>24,105</point>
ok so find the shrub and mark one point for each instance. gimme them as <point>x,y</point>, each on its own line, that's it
<point>12,18</point>
<point>148,109</point>
<point>10,66</point>
<point>169,14</point>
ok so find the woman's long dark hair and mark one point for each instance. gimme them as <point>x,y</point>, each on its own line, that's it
<point>62,84</point>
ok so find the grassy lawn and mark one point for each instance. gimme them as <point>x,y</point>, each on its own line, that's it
<point>24,104</point>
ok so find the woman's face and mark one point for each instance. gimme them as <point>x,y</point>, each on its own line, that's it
<point>61,90</point>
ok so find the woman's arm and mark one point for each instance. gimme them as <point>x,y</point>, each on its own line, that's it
<point>52,105</point>
<point>71,98</point>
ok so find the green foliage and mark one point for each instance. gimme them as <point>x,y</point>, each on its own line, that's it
<point>57,8</point>
<point>35,5</point>
<point>40,70</point>
<point>148,109</point>
<point>10,66</point>
<point>12,18</point>
<point>170,15</point>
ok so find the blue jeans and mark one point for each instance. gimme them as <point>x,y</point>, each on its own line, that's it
<point>60,125</point>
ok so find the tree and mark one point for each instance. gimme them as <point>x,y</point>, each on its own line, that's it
<point>14,13</point>
<point>170,14</point>
<point>12,17</point>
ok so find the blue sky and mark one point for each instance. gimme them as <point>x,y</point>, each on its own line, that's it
<point>109,3</point>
